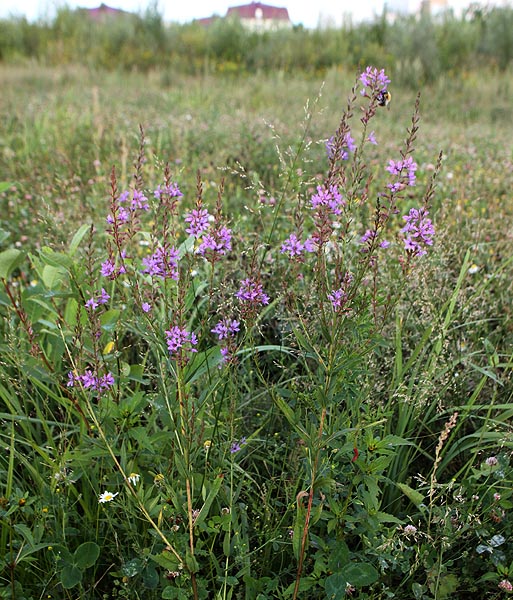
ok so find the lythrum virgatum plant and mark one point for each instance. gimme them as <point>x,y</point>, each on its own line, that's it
<point>189,406</point>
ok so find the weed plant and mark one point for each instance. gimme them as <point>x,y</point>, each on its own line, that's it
<point>205,402</point>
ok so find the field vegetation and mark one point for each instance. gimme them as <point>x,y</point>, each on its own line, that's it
<point>256,329</point>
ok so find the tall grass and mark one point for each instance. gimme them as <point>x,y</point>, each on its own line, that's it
<point>255,384</point>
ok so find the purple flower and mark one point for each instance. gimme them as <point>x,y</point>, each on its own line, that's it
<point>104,297</point>
<point>139,201</point>
<point>106,381</point>
<point>251,292</point>
<point>339,297</point>
<point>123,216</point>
<point>179,338</point>
<point>72,380</point>
<point>90,381</point>
<point>170,190</point>
<point>108,269</point>
<point>295,247</point>
<point>216,244</point>
<point>405,170</point>
<point>162,263</point>
<point>330,198</point>
<point>226,328</point>
<point>419,231</point>
<point>198,220</point>
<point>92,303</point>
<point>146,307</point>
<point>376,80</point>
<point>372,138</point>
<point>236,446</point>
<point>123,197</point>
<point>349,142</point>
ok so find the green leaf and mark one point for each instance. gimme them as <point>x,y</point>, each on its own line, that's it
<point>77,238</point>
<point>71,576</point>
<point>132,567</point>
<point>384,517</point>
<point>412,495</point>
<point>9,260</point>
<point>191,562</point>
<point>150,577</point>
<point>335,587</point>
<point>109,319</point>
<point>339,557</point>
<point>57,259</point>
<point>22,529</point>
<point>4,235</point>
<point>5,185</point>
<point>360,574</point>
<point>86,555</point>
<point>214,490</point>
<point>175,593</point>
<point>166,560</point>
<point>53,276</point>
<point>447,585</point>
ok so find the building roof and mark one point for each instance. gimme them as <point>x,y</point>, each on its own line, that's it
<point>103,11</point>
<point>257,10</point>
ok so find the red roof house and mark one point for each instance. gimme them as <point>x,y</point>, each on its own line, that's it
<point>103,12</point>
<point>258,16</point>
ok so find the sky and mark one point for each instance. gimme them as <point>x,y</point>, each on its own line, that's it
<point>309,13</point>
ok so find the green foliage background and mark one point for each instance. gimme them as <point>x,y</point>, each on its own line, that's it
<point>419,48</point>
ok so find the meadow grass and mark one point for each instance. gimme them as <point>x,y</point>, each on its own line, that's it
<point>196,404</point>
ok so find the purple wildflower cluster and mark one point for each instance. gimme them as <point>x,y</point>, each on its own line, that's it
<point>110,270</point>
<point>404,170</point>
<point>127,203</point>
<point>215,243</point>
<point>419,232</point>
<point>340,296</point>
<point>91,381</point>
<point>162,263</point>
<point>373,81</point>
<point>171,190</point>
<point>226,330</point>
<point>295,248</point>
<point>251,293</point>
<point>179,340</point>
<point>95,301</point>
<point>329,198</point>
<point>198,220</point>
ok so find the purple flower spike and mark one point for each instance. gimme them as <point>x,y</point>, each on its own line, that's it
<point>198,220</point>
<point>162,263</point>
<point>376,80</point>
<point>419,232</point>
<point>251,292</point>
<point>179,339</point>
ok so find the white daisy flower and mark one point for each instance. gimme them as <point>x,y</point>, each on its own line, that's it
<point>134,478</point>
<point>107,497</point>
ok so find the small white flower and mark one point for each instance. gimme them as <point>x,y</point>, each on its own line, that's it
<point>134,478</point>
<point>473,269</point>
<point>107,497</point>
<point>410,530</point>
